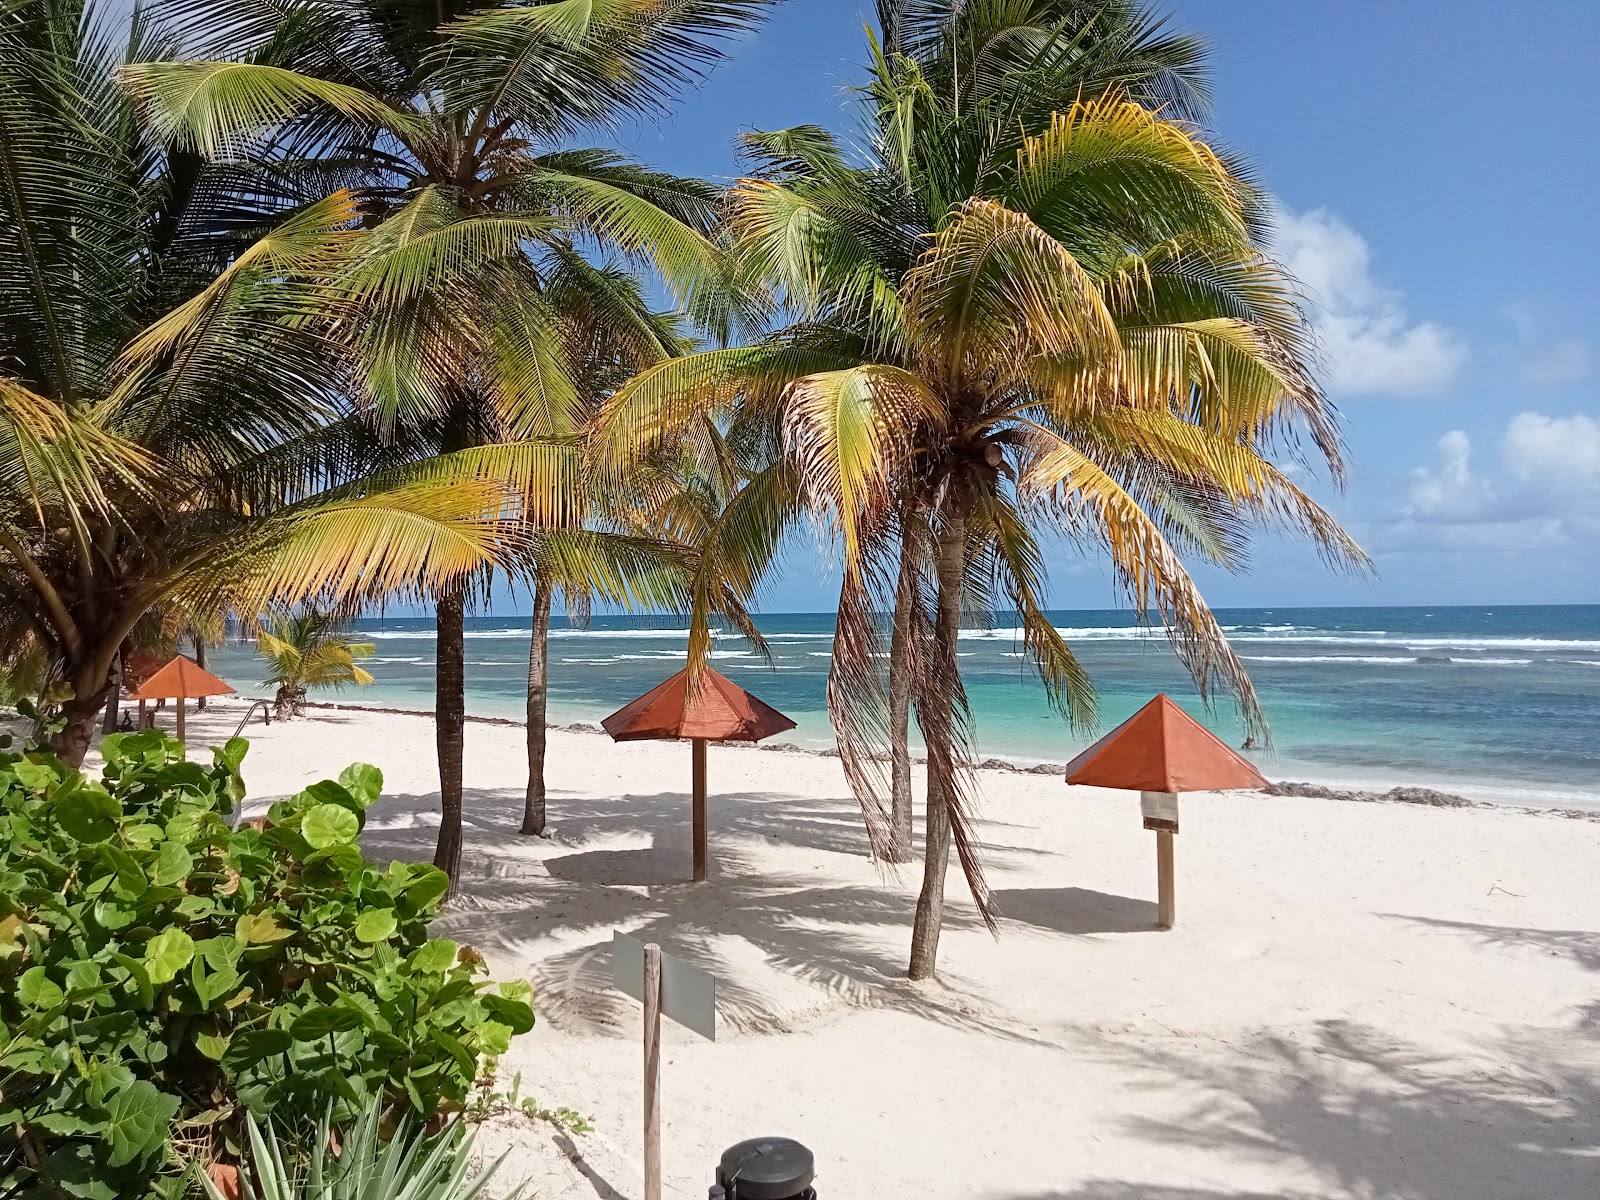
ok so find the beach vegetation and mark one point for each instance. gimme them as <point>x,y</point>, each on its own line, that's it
<point>309,649</point>
<point>367,1158</point>
<point>460,133</point>
<point>165,972</point>
<point>176,430</point>
<point>1034,313</point>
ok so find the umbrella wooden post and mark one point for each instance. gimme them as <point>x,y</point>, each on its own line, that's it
<point>181,731</point>
<point>652,1065</point>
<point>701,855</point>
<point>1160,811</point>
<point>1166,884</point>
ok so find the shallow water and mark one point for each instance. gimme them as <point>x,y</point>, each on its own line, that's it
<point>1497,703</point>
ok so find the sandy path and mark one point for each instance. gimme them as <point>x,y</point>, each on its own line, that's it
<point>1360,1000</point>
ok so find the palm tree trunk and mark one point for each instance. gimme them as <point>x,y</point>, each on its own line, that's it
<point>533,813</point>
<point>200,661</point>
<point>900,707</point>
<point>80,713</point>
<point>936,713</point>
<point>113,700</point>
<point>450,722</point>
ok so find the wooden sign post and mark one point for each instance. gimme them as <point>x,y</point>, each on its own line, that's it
<point>670,987</point>
<point>652,1072</point>
<point>1160,811</point>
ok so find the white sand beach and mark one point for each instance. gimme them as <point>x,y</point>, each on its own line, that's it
<point>1360,1000</point>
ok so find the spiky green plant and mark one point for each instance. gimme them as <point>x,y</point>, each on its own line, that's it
<point>361,1162</point>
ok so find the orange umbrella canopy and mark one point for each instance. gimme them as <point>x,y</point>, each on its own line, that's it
<point>1161,748</point>
<point>721,712</point>
<point>180,679</point>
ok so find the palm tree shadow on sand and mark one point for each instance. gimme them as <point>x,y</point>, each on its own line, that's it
<point>786,947</point>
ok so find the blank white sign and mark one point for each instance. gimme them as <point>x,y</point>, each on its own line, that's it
<point>688,994</point>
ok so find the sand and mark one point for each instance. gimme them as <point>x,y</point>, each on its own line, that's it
<point>1360,1000</point>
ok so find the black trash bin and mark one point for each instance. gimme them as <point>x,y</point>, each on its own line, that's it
<point>769,1168</point>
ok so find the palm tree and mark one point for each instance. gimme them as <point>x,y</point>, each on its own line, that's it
<point>174,433</point>
<point>305,650</point>
<point>455,128</point>
<point>1022,318</point>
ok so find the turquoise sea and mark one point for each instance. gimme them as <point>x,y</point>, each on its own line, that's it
<point>1498,703</point>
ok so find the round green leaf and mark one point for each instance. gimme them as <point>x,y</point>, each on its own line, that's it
<point>319,1022</point>
<point>363,782</point>
<point>434,956</point>
<point>247,1049</point>
<point>427,888</point>
<point>173,862</point>
<point>516,1014</point>
<point>87,813</point>
<point>330,825</point>
<point>376,924</point>
<point>166,954</point>
<point>38,990</point>
<point>261,929</point>
<point>136,1121</point>
<point>212,1045</point>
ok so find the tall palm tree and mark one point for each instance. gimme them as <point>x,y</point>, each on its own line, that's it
<point>455,125</point>
<point>1021,319</point>
<point>173,434</point>
<point>309,649</point>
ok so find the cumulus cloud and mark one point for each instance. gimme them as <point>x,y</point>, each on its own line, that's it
<point>1369,342</point>
<point>1543,491</point>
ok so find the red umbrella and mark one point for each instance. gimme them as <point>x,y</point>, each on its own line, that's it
<point>1161,751</point>
<point>718,711</point>
<point>178,680</point>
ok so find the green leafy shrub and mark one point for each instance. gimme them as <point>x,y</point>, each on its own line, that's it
<point>162,973</point>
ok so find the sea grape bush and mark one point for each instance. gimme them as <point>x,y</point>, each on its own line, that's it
<point>162,973</point>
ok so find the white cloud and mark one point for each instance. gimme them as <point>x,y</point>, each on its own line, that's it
<point>1546,492</point>
<point>1449,492</point>
<point>1369,342</point>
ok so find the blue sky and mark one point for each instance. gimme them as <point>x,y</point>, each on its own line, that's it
<point>1436,171</point>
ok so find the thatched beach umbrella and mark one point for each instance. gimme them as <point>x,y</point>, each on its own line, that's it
<point>1161,751</point>
<point>718,711</point>
<point>179,680</point>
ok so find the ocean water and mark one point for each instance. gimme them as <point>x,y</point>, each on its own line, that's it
<point>1496,703</point>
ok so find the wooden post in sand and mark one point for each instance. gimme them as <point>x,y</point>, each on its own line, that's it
<point>667,987</point>
<point>652,1062</point>
<point>181,731</point>
<point>1160,811</point>
<point>1166,899</point>
<point>701,853</point>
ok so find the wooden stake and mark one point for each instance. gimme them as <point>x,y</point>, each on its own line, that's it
<point>701,853</point>
<point>652,1067</point>
<point>1166,899</point>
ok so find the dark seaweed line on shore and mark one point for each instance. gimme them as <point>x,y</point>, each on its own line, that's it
<point>1425,797</point>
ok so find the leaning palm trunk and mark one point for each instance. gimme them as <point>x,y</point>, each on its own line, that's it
<point>450,721</point>
<point>900,706</point>
<point>533,811</point>
<point>936,714</point>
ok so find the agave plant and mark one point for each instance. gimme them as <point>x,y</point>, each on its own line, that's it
<point>1029,317</point>
<point>306,650</point>
<point>355,1163</point>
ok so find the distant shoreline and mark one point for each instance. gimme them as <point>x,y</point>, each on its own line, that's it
<point>1418,796</point>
